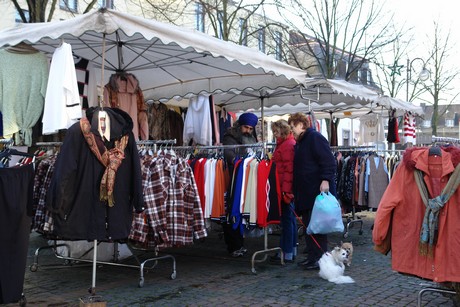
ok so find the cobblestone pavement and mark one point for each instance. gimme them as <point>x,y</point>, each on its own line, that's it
<point>207,276</point>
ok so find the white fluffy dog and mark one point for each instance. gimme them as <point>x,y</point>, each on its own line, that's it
<point>331,266</point>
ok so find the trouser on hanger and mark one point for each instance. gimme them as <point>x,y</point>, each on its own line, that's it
<point>16,188</point>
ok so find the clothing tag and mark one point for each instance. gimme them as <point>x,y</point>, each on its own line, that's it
<point>104,125</point>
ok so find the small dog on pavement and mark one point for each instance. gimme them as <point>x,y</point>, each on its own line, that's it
<point>348,246</point>
<point>331,266</point>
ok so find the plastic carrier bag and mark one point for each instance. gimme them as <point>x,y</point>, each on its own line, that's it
<point>326,216</point>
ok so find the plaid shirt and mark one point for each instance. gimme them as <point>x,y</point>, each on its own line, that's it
<point>173,209</point>
<point>42,220</point>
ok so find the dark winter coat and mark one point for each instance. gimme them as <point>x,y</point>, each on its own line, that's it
<point>73,196</point>
<point>313,163</point>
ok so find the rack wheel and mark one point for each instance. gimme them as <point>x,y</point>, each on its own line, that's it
<point>345,235</point>
<point>173,275</point>
<point>33,267</point>
<point>141,282</point>
<point>23,301</point>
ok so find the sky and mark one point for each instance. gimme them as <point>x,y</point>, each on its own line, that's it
<point>420,14</point>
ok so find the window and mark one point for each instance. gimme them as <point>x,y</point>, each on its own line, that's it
<point>17,18</point>
<point>341,69</point>
<point>449,122</point>
<point>278,45</point>
<point>261,39</point>
<point>200,17</point>
<point>69,5</point>
<point>426,124</point>
<point>220,23</point>
<point>105,3</point>
<point>345,137</point>
<point>244,31</point>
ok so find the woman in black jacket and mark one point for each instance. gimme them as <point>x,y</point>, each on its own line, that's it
<point>314,172</point>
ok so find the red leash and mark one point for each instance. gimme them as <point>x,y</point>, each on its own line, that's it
<point>301,222</point>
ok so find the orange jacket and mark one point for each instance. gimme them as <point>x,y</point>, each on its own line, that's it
<point>402,206</point>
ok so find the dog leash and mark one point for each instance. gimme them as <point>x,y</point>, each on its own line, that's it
<point>301,222</point>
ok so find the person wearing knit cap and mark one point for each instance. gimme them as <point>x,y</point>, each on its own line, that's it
<point>242,132</point>
<point>248,119</point>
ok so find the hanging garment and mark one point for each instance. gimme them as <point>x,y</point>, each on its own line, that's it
<point>158,121</point>
<point>87,85</point>
<point>74,193</point>
<point>172,205</point>
<point>123,92</point>
<point>393,134</point>
<point>62,101</point>
<point>371,129</point>
<point>377,180</point>
<point>16,188</point>
<point>409,135</point>
<point>23,81</point>
<point>197,123</point>
<point>402,208</point>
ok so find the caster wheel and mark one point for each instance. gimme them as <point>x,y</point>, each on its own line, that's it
<point>253,271</point>
<point>67,262</point>
<point>33,267</point>
<point>173,276</point>
<point>345,235</point>
<point>141,282</point>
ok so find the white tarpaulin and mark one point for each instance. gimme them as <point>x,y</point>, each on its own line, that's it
<point>339,97</point>
<point>167,60</point>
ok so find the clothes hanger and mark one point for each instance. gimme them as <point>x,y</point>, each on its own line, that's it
<point>22,48</point>
<point>435,150</point>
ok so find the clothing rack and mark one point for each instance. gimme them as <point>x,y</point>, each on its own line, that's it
<point>352,148</point>
<point>142,265</point>
<point>198,147</point>
<point>5,143</point>
<point>439,139</point>
<point>255,145</point>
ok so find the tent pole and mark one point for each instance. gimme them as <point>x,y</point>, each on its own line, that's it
<point>262,113</point>
<point>100,94</point>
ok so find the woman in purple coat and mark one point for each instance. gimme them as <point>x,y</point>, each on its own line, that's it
<point>314,172</point>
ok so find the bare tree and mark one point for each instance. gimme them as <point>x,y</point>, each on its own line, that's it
<point>37,9</point>
<point>440,84</point>
<point>337,32</point>
<point>226,19</point>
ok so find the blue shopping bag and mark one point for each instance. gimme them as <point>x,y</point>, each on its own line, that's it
<point>326,216</point>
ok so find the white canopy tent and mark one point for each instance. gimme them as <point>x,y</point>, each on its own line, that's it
<point>324,96</point>
<point>168,60</point>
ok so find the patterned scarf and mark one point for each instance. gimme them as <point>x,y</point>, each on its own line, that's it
<point>111,159</point>
<point>429,231</point>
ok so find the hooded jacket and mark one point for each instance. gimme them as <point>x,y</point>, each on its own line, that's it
<point>402,207</point>
<point>73,196</point>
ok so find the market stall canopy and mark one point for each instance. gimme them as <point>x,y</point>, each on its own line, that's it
<point>168,60</point>
<point>339,97</point>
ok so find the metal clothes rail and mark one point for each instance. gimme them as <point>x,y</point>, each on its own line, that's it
<point>142,265</point>
<point>266,248</point>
